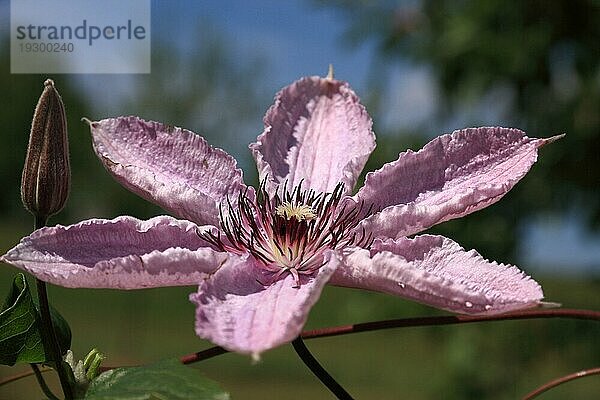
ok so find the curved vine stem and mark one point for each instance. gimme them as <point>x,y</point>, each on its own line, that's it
<point>42,382</point>
<point>415,322</point>
<point>203,355</point>
<point>24,374</point>
<point>320,372</point>
<point>559,381</point>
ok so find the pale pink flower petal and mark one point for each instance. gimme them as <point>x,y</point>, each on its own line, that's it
<point>438,272</point>
<point>172,167</point>
<point>318,131</point>
<point>123,253</point>
<point>236,311</point>
<point>452,176</point>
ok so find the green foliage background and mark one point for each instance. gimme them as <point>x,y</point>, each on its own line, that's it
<point>545,55</point>
<point>536,62</point>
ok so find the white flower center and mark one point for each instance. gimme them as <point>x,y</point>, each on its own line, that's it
<point>291,232</point>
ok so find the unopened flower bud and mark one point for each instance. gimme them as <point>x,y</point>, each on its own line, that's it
<point>46,175</point>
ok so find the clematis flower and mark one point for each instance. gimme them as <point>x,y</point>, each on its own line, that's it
<point>262,256</point>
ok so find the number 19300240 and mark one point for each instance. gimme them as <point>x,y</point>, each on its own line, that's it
<point>47,47</point>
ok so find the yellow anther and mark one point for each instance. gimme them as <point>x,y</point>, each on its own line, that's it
<point>300,212</point>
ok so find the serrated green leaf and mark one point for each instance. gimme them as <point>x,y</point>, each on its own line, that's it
<point>167,379</point>
<point>20,334</point>
<point>20,339</point>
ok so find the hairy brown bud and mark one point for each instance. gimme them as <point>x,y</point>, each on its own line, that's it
<point>46,175</point>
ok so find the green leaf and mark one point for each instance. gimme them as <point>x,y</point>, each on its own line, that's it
<point>20,339</point>
<point>62,329</point>
<point>20,327</point>
<point>167,379</point>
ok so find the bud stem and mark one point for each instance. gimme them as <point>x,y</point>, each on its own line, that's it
<point>51,346</point>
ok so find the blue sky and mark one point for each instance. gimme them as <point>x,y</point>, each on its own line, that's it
<point>296,39</point>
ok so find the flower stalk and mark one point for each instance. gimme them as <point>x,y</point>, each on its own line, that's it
<point>320,372</point>
<point>50,340</point>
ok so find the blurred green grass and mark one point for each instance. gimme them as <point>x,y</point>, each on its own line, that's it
<point>500,360</point>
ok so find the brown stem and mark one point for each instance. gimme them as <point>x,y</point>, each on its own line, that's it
<point>452,320</point>
<point>397,323</point>
<point>559,381</point>
<point>414,322</point>
<point>203,355</point>
<point>21,375</point>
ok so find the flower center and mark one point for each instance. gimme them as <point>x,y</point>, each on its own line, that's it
<point>289,233</point>
<point>300,212</point>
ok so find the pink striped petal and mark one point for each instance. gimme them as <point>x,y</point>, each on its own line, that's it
<point>123,253</point>
<point>452,176</point>
<point>318,131</point>
<point>237,312</point>
<point>172,167</point>
<point>436,271</point>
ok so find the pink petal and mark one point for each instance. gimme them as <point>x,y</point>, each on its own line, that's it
<point>436,271</point>
<point>169,166</point>
<point>238,313</point>
<point>123,253</point>
<point>318,131</point>
<point>453,175</point>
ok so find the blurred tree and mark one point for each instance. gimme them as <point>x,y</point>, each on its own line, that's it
<point>202,88</point>
<point>536,61</point>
